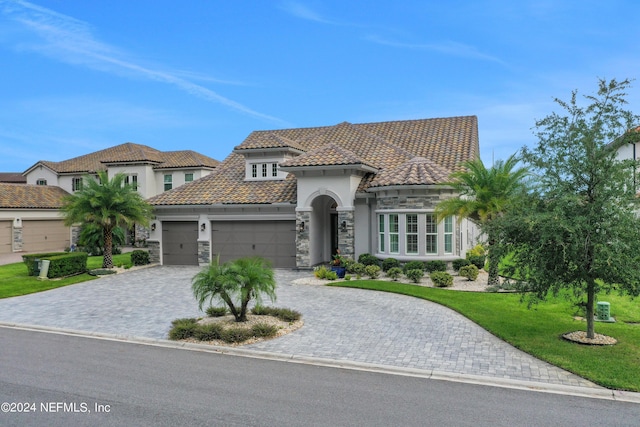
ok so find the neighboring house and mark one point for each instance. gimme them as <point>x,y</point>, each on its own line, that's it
<point>150,170</point>
<point>12,178</point>
<point>30,219</point>
<point>295,196</point>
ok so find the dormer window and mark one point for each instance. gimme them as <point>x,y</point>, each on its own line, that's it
<point>263,171</point>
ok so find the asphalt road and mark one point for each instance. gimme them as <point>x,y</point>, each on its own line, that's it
<point>69,380</point>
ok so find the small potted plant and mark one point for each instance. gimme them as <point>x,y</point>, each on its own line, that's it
<point>337,264</point>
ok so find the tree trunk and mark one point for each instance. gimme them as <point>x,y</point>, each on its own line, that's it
<point>107,259</point>
<point>591,298</point>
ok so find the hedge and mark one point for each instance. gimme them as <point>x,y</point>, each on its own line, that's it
<point>61,264</point>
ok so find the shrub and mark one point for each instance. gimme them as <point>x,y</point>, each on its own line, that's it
<point>373,271</point>
<point>469,271</point>
<point>331,275</point>
<point>394,273</point>
<point>413,265</point>
<point>320,272</point>
<point>441,279</point>
<point>368,259</point>
<point>477,250</point>
<point>347,277</point>
<point>347,263</point>
<point>182,328</point>
<point>31,263</point>
<point>263,330</point>
<point>235,335</point>
<point>457,264</point>
<point>390,263</point>
<point>415,275</point>
<point>357,268</point>
<point>216,311</point>
<point>208,332</point>
<point>139,257</point>
<point>477,260</point>
<point>68,264</point>
<point>435,265</point>
<point>284,314</point>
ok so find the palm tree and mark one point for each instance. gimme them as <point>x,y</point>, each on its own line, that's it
<point>484,194</point>
<point>107,204</point>
<point>235,283</point>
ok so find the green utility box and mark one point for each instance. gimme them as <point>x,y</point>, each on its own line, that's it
<point>603,312</point>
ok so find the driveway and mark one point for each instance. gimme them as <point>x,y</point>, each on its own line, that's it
<point>340,324</point>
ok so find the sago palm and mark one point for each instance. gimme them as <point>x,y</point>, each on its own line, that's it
<point>107,203</point>
<point>484,194</point>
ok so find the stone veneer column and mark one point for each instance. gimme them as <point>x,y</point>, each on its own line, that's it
<point>346,238</point>
<point>204,252</point>
<point>154,251</point>
<point>303,256</point>
<point>17,239</point>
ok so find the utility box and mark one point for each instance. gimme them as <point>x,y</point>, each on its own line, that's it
<point>603,312</point>
<point>44,269</point>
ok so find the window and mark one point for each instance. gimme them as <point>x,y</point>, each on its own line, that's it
<point>76,184</point>
<point>381,233</point>
<point>431,240</point>
<point>168,182</point>
<point>394,246</point>
<point>41,181</point>
<point>274,169</point>
<point>448,235</point>
<point>254,171</point>
<point>131,180</point>
<point>411,227</point>
<point>264,170</point>
<point>188,177</point>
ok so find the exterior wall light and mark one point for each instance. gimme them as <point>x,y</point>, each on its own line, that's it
<point>203,226</point>
<point>343,225</point>
<point>301,226</point>
<point>153,227</point>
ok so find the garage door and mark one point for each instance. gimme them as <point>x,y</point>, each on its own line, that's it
<point>6,246</point>
<point>273,240</point>
<point>44,236</point>
<point>180,243</point>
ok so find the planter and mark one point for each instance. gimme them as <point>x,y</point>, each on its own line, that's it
<point>340,271</point>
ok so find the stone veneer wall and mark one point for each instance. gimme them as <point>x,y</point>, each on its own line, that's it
<point>154,251</point>
<point>17,239</point>
<point>346,239</point>
<point>399,201</point>
<point>204,252</point>
<point>303,256</point>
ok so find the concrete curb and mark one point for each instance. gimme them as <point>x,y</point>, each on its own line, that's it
<point>594,393</point>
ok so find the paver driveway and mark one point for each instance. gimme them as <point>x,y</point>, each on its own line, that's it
<point>340,324</point>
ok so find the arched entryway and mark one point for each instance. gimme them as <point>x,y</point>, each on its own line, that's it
<point>323,231</point>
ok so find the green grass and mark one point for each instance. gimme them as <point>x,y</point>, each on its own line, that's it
<point>538,330</point>
<point>14,280</point>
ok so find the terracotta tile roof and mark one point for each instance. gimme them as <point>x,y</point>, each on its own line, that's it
<point>13,178</point>
<point>23,196</point>
<point>130,153</point>
<point>417,171</point>
<point>445,142</point>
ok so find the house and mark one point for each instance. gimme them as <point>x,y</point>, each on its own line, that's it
<point>12,178</point>
<point>296,196</point>
<point>31,210</point>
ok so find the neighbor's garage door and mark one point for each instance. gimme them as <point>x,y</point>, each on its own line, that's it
<point>44,235</point>
<point>273,240</point>
<point>6,246</point>
<point>180,243</point>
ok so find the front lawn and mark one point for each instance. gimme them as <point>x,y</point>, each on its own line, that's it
<point>14,280</point>
<point>538,330</point>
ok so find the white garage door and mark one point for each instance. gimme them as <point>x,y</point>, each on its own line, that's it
<point>180,243</point>
<point>273,240</point>
<point>6,246</point>
<point>45,235</point>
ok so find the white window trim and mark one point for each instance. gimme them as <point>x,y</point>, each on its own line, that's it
<point>384,237</point>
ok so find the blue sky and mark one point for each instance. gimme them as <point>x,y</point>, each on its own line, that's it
<point>77,76</point>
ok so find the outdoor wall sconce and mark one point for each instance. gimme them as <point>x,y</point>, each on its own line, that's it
<point>301,226</point>
<point>343,226</point>
<point>203,226</point>
<point>153,227</point>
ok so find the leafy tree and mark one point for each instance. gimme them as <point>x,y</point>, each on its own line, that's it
<point>484,194</point>
<point>236,283</point>
<point>577,228</point>
<point>107,204</point>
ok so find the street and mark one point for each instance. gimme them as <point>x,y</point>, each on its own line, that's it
<point>60,380</point>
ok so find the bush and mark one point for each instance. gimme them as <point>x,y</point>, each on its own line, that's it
<point>373,271</point>
<point>435,265</point>
<point>368,259</point>
<point>32,265</point>
<point>415,275</point>
<point>413,265</point>
<point>457,264</point>
<point>321,272</point>
<point>182,328</point>
<point>68,264</point>
<point>235,335</point>
<point>284,314</point>
<point>263,330</point>
<point>441,279</point>
<point>216,311</point>
<point>477,260</point>
<point>331,275</point>
<point>469,271</point>
<point>347,277</point>
<point>394,273</point>
<point>208,332</point>
<point>390,263</point>
<point>139,257</point>
<point>477,250</point>
<point>357,268</point>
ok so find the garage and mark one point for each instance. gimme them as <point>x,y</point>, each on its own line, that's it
<point>179,243</point>
<point>273,240</point>
<point>6,246</point>
<point>45,235</point>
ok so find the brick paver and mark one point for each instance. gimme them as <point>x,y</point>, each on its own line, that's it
<point>340,323</point>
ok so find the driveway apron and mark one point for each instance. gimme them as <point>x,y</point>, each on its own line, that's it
<point>339,323</point>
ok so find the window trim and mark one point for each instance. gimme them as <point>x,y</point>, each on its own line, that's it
<point>168,182</point>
